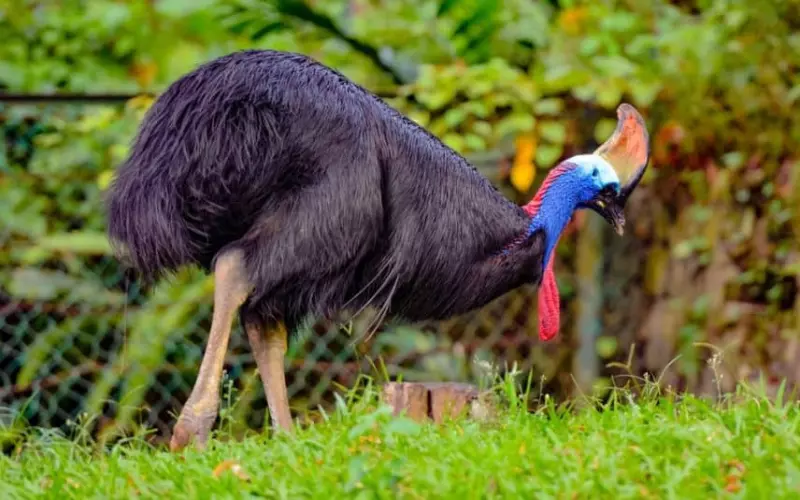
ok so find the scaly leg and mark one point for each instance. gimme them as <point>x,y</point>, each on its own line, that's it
<point>269,347</point>
<point>230,291</point>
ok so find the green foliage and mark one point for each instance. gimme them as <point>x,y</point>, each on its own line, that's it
<point>105,45</point>
<point>516,85</point>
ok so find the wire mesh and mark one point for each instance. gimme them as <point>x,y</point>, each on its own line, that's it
<point>77,351</point>
<point>79,334</point>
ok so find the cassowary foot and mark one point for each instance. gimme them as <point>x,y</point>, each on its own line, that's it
<point>268,342</point>
<point>230,291</point>
<point>193,427</point>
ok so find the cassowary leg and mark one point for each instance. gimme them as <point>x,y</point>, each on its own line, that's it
<point>231,288</point>
<point>268,342</point>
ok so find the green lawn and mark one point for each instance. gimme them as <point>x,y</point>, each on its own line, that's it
<point>663,448</point>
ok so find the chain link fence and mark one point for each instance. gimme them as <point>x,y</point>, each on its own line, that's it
<point>79,334</point>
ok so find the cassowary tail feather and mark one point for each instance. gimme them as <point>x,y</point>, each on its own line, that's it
<point>193,182</point>
<point>145,226</point>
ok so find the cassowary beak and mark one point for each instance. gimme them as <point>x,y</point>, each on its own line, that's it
<point>607,205</point>
<point>628,151</point>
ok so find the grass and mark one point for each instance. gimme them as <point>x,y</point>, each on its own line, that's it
<point>650,446</point>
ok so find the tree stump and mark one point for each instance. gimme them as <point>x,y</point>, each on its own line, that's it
<point>437,401</point>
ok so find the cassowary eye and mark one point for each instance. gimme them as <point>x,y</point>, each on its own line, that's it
<point>595,172</point>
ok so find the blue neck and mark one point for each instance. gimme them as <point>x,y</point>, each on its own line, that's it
<point>558,204</point>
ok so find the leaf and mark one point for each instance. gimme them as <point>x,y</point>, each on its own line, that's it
<point>300,10</point>
<point>438,98</point>
<point>239,27</point>
<point>77,242</point>
<point>572,19</point>
<point>733,160</point>
<point>402,426</point>
<point>523,170</point>
<point>590,46</point>
<point>98,120</point>
<point>479,87</point>
<point>233,466</point>
<point>479,41</point>
<point>609,95</point>
<point>140,102</point>
<point>555,132</point>
<point>356,468</point>
<point>480,14</point>
<point>445,6</point>
<point>12,76</point>
<point>104,179</point>
<point>683,249</point>
<point>45,285</point>
<point>25,215</point>
<point>482,128</point>
<point>564,77</point>
<point>733,483</point>
<point>421,118</point>
<point>455,141</point>
<point>266,30</point>
<point>547,155</point>
<point>474,142</point>
<point>606,346</point>
<point>616,65</point>
<point>405,340</point>
<point>181,7</point>
<point>550,106</point>
<point>101,388</point>
<point>644,93</point>
<point>454,117</point>
<point>517,123</point>
<point>144,73</point>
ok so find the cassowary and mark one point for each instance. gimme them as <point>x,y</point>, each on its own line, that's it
<point>306,195</point>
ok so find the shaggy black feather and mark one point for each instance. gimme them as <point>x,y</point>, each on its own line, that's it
<point>337,200</point>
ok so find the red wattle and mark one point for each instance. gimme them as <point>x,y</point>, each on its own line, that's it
<point>549,304</point>
<point>549,301</point>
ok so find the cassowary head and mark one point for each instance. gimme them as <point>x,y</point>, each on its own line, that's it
<point>587,181</point>
<point>627,151</point>
<point>596,187</point>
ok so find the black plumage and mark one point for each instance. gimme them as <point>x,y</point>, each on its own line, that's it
<point>336,199</point>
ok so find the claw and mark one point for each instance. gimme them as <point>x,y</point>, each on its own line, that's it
<point>194,426</point>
